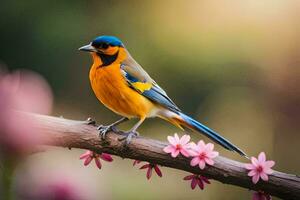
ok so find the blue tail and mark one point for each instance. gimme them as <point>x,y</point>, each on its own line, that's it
<point>197,126</point>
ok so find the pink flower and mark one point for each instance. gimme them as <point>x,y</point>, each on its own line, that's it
<point>260,168</point>
<point>88,156</point>
<point>261,195</point>
<point>178,145</point>
<point>203,154</point>
<point>135,162</point>
<point>197,180</point>
<point>150,167</point>
<point>22,91</point>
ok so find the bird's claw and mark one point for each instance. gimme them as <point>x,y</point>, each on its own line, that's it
<point>103,130</point>
<point>128,136</point>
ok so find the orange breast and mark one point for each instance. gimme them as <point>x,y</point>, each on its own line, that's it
<point>111,89</point>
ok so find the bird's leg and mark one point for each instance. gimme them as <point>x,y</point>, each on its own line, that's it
<point>132,132</point>
<point>112,127</point>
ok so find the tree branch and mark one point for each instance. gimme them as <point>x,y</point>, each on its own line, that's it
<point>78,134</point>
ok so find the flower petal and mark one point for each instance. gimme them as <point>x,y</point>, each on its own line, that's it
<point>262,157</point>
<point>268,170</point>
<point>269,163</point>
<point>157,170</point>
<point>249,166</point>
<point>145,166</point>
<point>254,161</point>
<point>172,140</point>
<point>252,173</point>
<point>264,176</point>
<point>213,154</point>
<point>176,138</point>
<point>255,178</point>
<point>209,146</point>
<point>201,164</point>
<point>209,161</point>
<point>98,163</point>
<point>200,183</point>
<point>185,139</point>
<point>194,183</point>
<point>85,155</point>
<point>189,177</point>
<point>205,179</point>
<point>149,173</point>
<point>201,144</point>
<point>107,157</point>
<point>169,149</point>
<point>175,153</point>
<point>87,161</point>
<point>195,161</point>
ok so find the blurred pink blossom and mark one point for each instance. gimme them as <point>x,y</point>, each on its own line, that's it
<point>178,145</point>
<point>21,91</point>
<point>197,180</point>
<point>261,195</point>
<point>49,186</point>
<point>260,168</point>
<point>203,154</point>
<point>149,168</point>
<point>60,190</point>
<point>88,156</point>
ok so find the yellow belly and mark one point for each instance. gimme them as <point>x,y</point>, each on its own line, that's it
<point>111,89</point>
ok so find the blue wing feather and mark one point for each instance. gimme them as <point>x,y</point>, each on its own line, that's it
<point>155,93</point>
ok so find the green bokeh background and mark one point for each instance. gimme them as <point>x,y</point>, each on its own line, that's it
<point>233,65</point>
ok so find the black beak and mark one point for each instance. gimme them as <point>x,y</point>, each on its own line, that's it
<point>88,48</point>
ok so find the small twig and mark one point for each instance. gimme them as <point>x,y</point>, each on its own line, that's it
<point>79,134</point>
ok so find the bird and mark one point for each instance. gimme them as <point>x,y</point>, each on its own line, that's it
<point>124,87</point>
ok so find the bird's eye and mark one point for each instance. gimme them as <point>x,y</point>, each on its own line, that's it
<point>103,46</point>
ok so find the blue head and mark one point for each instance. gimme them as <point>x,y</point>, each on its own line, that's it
<point>103,43</point>
<point>106,41</point>
<point>107,48</point>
